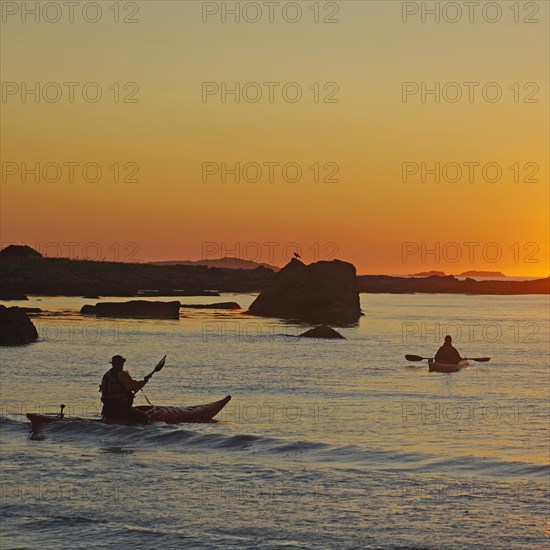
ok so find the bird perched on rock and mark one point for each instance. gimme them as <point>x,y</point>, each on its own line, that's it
<point>297,256</point>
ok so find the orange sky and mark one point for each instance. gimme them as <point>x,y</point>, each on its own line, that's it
<point>365,216</point>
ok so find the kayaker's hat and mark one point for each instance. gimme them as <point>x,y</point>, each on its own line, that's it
<point>447,339</point>
<point>117,360</point>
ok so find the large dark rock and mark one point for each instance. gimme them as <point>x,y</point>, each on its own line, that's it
<point>16,329</point>
<point>135,309</point>
<point>322,331</point>
<point>322,292</point>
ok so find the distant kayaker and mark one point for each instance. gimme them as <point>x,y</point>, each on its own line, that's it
<point>447,353</point>
<point>117,393</point>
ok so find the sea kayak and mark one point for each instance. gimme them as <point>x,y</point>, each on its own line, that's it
<point>170,415</point>
<point>434,366</point>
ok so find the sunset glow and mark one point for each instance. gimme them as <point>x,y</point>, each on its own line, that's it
<point>371,204</point>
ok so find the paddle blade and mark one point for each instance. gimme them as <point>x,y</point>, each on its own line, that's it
<point>160,364</point>
<point>414,358</point>
<point>480,359</point>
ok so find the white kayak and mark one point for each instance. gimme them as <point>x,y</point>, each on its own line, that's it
<point>446,367</point>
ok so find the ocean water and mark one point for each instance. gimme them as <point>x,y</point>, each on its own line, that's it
<point>325,444</point>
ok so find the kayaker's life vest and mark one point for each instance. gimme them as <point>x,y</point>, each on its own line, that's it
<point>113,391</point>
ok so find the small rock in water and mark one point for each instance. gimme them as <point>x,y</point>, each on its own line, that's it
<point>322,331</point>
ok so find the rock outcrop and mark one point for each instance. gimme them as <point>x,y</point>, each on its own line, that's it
<point>322,331</point>
<point>16,329</point>
<point>135,309</point>
<point>322,292</point>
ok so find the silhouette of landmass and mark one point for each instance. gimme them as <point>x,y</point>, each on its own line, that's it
<point>429,274</point>
<point>473,273</point>
<point>30,273</point>
<point>227,263</point>
<point>449,285</point>
<point>63,277</point>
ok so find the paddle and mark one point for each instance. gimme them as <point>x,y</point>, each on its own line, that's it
<point>159,367</point>
<point>418,358</point>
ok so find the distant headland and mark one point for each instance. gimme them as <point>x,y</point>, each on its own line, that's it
<point>428,274</point>
<point>482,274</point>
<point>474,273</point>
<point>449,285</point>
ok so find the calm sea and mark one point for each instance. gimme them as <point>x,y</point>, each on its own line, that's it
<point>326,444</point>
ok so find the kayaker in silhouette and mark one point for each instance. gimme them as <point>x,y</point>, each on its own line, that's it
<point>447,353</point>
<point>117,393</point>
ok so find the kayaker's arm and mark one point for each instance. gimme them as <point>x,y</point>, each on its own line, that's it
<point>129,383</point>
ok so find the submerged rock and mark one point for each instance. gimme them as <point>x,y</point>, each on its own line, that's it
<point>322,292</point>
<point>16,329</point>
<point>136,309</point>
<point>322,331</point>
<point>219,305</point>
